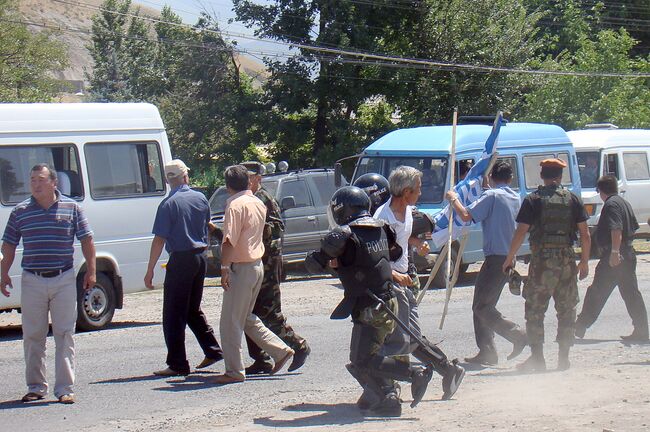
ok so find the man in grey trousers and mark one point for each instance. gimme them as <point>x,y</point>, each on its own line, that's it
<point>48,223</point>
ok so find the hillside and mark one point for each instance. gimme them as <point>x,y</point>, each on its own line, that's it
<point>73,17</point>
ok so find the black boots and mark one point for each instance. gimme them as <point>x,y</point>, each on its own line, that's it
<point>420,378</point>
<point>451,379</point>
<point>534,363</point>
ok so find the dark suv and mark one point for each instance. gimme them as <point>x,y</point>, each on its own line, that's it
<point>303,196</point>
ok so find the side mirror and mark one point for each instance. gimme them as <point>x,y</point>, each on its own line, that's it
<point>337,175</point>
<point>287,203</point>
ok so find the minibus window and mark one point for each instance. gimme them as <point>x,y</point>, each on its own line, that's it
<point>16,163</point>
<point>532,169</point>
<point>566,172</point>
<point>589,168</point>
<point>124,169</point>
<point>611,165</point>
<point>636,166</point>
<point>512,161</point>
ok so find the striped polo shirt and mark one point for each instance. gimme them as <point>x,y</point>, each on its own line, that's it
<point>47,234</point>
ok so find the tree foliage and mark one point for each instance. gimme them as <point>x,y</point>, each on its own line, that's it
<point>189,73</point>
<point>28,60</point>
<point>574,101</point>
<point>331,94</point>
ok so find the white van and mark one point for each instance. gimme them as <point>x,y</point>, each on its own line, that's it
<point>110,158</point>
<point>623,153</point>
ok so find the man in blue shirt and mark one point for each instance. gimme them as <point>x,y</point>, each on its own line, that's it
<point>181,226</point>
<point>496,209</point>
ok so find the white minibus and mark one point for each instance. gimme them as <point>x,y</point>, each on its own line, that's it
<point>110,158</point>
<point>623,153</point>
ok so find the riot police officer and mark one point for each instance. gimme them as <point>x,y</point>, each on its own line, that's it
<point>552,215</point>
<point>363,248</point>
<point>376,187</point>
<point>379,191</point>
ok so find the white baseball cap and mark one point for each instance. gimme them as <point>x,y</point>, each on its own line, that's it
<point>175,168</point>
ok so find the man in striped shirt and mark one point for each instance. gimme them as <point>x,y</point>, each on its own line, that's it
<point>48,223</point>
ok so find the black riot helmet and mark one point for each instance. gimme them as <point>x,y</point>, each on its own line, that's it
<point>349,203</point>
<point>376,187</point>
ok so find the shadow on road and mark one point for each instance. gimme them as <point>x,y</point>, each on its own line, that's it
<point>639,363</point>
<point>198,382</point>
<point>9,333</point>
<point>515,372</point>
<point>329,414</point>
<point>15,332</point>
<point>148,377</point>
<point>126,324</point>
<point>594,341</point>
<point>11,404</point>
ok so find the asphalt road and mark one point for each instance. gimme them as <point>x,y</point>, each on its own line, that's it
<point>116,391</point>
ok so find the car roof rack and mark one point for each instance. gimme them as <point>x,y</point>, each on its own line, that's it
<point>478,119</point>
<point>601,126</point>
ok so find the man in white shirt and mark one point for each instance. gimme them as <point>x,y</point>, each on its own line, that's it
<point>405,184</point>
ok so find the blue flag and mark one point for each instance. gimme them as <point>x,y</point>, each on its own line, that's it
<point>468,189</point>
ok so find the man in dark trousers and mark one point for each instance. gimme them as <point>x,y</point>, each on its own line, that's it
<point>553,215</point>
<point>496,209</point>
<point>181,226</point>
<point>617,265</point>
<point>268,305</point>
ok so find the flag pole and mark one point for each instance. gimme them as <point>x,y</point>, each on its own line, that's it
<point>452,173</point>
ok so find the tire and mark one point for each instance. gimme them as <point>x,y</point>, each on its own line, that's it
<point>440,281</point>
<point>95,307</point>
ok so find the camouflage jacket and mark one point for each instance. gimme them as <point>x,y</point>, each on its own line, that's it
<point>274,226</point>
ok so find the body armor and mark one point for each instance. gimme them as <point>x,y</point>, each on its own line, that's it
<point>556,221</point>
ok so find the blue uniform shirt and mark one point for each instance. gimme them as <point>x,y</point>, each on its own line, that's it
<point>496,209</point>
<point>182,220</point>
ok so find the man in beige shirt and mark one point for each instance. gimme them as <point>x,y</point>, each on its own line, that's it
<point>241,277</point>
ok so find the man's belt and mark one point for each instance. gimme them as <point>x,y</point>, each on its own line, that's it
<point>49,273</point>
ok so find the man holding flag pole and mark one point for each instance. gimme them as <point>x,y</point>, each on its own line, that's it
<point>466,191</point>
<point>496,209</point>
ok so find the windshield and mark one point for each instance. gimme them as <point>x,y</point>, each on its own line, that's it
<point>588,165</point>
<point>271,186</point>
<point>219,197</point>
<point>218,200</point>
<point>434,173</point>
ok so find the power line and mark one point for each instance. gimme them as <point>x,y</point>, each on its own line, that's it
<point>382,59</point>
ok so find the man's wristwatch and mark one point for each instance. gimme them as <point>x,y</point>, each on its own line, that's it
<point>223,267</point>
<point>616,252</point>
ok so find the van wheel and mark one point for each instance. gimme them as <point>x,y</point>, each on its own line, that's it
<point>440,281</point>
<point>95,307</point>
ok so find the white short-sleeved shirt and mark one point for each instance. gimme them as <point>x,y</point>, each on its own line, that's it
<point>402,230</point>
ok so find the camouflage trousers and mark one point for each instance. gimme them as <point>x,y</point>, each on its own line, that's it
<point>372,327</point>
<point>552,273</point>
<point>268,307</point>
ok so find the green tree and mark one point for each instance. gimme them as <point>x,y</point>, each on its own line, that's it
<point>28,61</point>
<point>122,54</point>
<point>574,101</point>
<point>315,98</point>
<point>328,92</point>
<point>496,33</point>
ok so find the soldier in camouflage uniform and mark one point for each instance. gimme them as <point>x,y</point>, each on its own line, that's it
<point>268,306</point>
<point>553,215</point>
